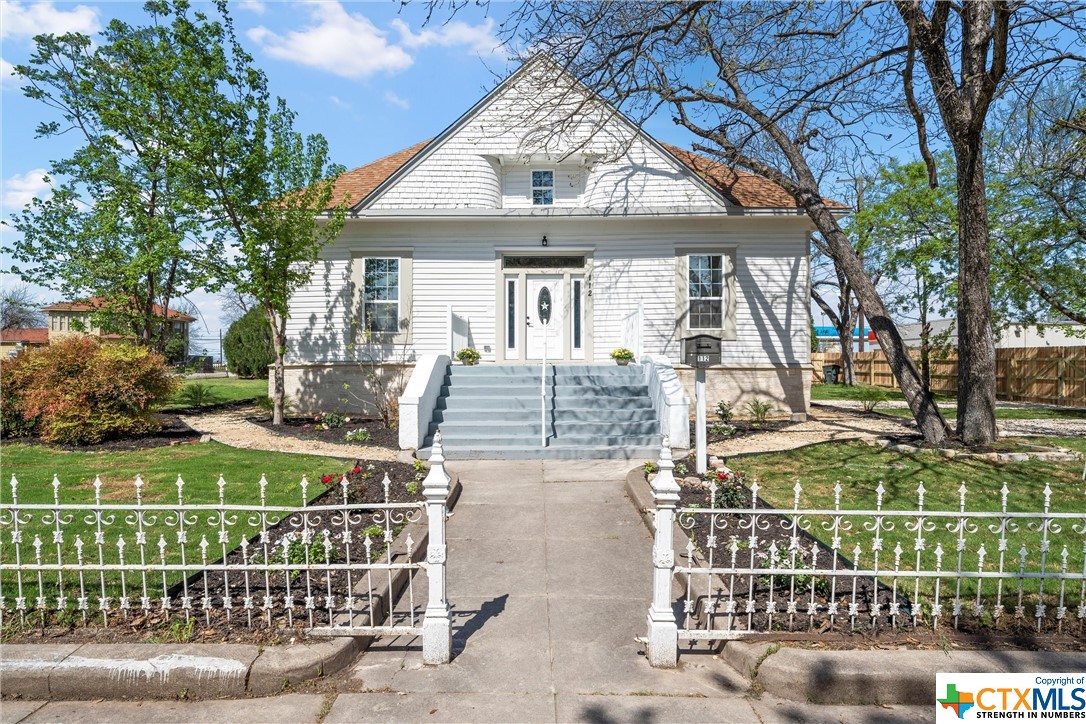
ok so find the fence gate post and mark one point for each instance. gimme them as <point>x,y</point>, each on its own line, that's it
<point>436,624</point>
<point>663,637</point>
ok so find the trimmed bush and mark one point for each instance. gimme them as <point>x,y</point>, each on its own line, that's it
<point>248,346</point>
<point>79,391</point>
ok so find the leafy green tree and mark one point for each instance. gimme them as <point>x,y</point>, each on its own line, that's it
<point>911,235</point>
<point>248,345</point>
<point>127,218</point>
<point>1038,208</point>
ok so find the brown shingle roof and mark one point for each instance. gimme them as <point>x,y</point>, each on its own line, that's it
<point>33,335</point>
<point>739,187</point>
<point>95,303</point>
<point>359,182</point>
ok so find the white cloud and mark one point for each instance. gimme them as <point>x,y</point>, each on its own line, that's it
<point>339,42</point>
<point>21,189</point>
<point>479,39</point>
<point>339,101</point>
<point>19,20</point>
<point>253,6</point>
<point>7,80</point>
<point>396,100</point>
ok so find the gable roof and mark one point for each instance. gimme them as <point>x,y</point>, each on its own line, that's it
<point>32,335</point>
<point>95,303</point>
<point>355,185</point>
<point>741,188</point>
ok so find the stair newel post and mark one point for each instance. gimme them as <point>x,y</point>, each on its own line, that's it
<point>663,636</point>
<point>437,622</point>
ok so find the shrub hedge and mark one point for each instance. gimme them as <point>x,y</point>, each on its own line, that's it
<point>248,346</point>
<point>80,391</point>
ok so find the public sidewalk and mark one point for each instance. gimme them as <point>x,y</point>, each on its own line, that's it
<point>550,581</point>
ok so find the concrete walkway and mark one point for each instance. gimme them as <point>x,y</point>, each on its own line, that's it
<point>549,580</point>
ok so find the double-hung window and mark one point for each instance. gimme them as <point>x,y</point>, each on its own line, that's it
<point>542,188</point>
<point>705,291</point>
<point>382,295</point>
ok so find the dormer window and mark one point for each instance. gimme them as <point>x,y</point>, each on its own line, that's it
<point>542,188</point>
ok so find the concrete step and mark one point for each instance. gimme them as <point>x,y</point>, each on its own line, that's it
<point>566,414</point>
<point>511,370</point>
<point>516,438</point>
<point>520,388</point>
<point>496,402</point>
<point>551,452</point>
<point>582,431</point>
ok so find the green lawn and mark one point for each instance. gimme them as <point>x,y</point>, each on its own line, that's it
<point>199,465</point>
<point>829,393</point>
<point>225,389</point>
<point>860,468</point>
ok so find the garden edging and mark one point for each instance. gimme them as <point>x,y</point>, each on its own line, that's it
<point>201,671</point>
<point>869,676</point>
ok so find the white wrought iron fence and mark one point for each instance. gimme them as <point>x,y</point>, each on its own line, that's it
<point>749,568</point>
<point>339,566</point>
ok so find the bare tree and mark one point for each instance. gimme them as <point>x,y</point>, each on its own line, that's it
<point>827,276</point>
<point>974,53</point>
<point>235,304</point>
<point>20,308</point>
<point>783,90</point>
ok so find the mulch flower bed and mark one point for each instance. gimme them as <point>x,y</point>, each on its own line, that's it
<point>733,491</point>
<point>173,432</point>
<point>718,431</point>
<point>286,541</point>
<point>313,428</point>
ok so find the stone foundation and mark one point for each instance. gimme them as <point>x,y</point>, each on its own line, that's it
<point>319,387</point>
<point>788,388</point>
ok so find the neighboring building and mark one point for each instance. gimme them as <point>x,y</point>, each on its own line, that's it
<point>1054,334</point>
<point>16,340</point>
<point>448,244</point>
<point>67,318</point>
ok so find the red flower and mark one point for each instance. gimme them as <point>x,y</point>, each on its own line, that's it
<point>356,470</point>
<point>721,476</point>
<point>327,479</point>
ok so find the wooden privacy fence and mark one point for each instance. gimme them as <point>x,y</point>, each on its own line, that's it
<point>1045,375</point>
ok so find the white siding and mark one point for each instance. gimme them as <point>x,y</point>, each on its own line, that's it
<point>604,164</point>
<point>633,261</point>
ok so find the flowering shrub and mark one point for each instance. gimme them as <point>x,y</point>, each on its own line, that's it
<point>731,488</point>
<point>80,391</point>
<point>359,435</point>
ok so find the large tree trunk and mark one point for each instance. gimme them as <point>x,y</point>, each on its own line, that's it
<point>279,342</point>
<point>976,349</point>
<point>929,419</point>
<point>848,367</point>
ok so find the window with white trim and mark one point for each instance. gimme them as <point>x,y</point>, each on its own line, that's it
<point>381,295</point>
<point>705,291</point>
<point>542,188</point>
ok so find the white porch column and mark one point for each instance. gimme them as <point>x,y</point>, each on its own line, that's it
<point>663,638</point>
<point>437,622</point>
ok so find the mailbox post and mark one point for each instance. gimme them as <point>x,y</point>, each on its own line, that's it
<point>700,351</point>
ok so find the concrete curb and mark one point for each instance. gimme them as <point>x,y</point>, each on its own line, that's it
<point>871,676</point>
<point>202,671</point>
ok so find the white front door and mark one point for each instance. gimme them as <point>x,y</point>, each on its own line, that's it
<point>553,333</point>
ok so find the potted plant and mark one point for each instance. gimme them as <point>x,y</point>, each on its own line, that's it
<point>622,356</point>
<point>469,356</point>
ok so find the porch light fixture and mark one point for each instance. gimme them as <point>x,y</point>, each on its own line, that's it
<point>544,240</point>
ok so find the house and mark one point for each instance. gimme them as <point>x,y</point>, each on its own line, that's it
<point>16,340</point>
<point>66,318</point>
<point>449,243</point>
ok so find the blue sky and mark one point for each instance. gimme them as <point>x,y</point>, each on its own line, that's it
<point>370,76</point>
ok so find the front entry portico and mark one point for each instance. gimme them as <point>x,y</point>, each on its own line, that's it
<point>568,335</point>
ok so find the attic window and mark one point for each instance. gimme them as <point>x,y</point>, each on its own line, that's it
<point>542,188</point>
